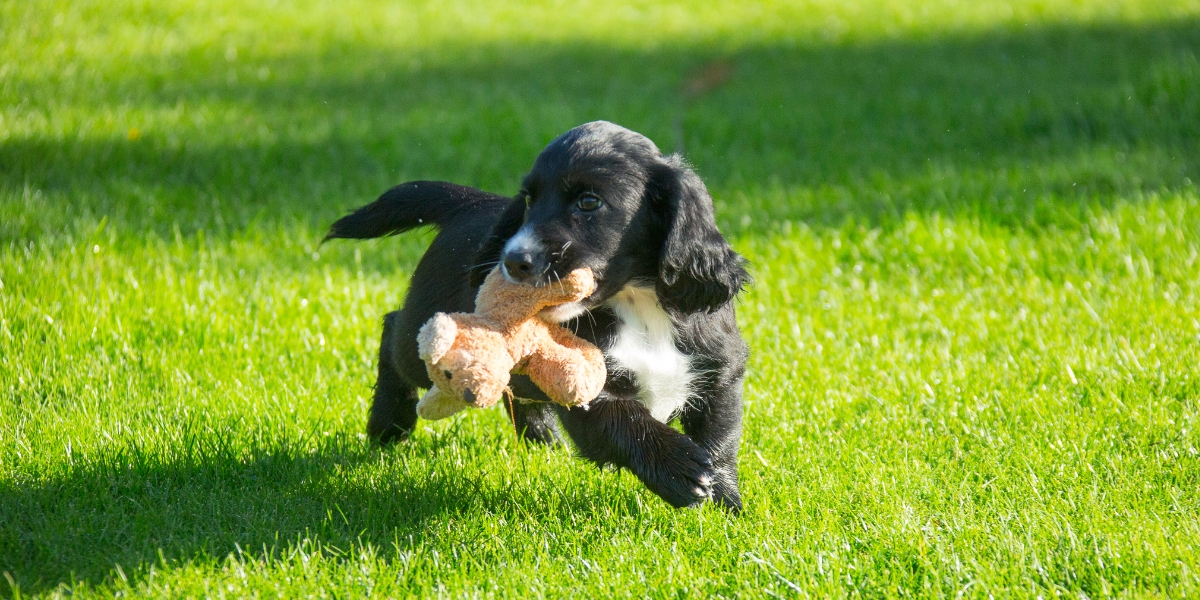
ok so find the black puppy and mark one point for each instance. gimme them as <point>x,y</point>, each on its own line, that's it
<point>604,197</point>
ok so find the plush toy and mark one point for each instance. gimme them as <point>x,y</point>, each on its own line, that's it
<point>470,356</point>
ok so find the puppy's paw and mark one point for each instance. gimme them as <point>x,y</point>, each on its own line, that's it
<point>725,492</point>
<point>682,474</point>
<point>385,431</point>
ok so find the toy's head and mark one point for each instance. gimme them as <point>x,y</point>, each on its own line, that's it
<point>471,363</point>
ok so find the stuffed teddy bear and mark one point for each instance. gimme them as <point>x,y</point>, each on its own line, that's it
<point>470,356</point>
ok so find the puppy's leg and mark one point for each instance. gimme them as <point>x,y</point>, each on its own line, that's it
<point>535,422</point>
<point>715,422</point>
<point>620,431</point>
<point>394,410</point>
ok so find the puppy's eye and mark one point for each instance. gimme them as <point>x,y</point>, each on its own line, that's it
<point>588,203</point>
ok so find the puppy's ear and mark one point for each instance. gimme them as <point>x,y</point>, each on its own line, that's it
<point>489,254</point>
<point>698,271</point>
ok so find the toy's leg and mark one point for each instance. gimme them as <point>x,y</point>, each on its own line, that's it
<point>565,374</point>
<point>620,431</point>
<point>715,422</point>
<point>436,404</point>
<point>536,421</point>
<point>393,412</point>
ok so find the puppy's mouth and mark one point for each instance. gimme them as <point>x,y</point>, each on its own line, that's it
<point>547,276</point>
<point>563,312</point>
<point>571,310</point>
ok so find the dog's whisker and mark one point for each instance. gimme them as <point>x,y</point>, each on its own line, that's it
<point>591,317</point>
<point>490,263</point>
<point>562,250</point>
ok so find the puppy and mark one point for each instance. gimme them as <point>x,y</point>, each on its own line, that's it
<point>604,197</point>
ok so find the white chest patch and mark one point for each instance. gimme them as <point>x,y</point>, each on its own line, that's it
<point>645,349</point>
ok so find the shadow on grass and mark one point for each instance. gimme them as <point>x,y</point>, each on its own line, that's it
<point>1014,126</point>
<point>133,510</point>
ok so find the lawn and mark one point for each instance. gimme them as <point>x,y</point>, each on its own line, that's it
<point>974,229</point>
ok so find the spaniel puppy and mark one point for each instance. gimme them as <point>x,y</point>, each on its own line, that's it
<point>604,197</point>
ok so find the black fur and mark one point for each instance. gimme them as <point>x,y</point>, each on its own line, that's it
<point>697,268</point>
<point>651,225</point>
<point>414,204</point>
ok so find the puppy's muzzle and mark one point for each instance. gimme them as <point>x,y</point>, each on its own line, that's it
<point>524,257</point>
<point>523,267</point>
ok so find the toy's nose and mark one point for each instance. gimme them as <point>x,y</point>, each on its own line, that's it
<point>468,396</point>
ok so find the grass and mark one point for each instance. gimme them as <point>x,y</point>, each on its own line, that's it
<point>975,330</point>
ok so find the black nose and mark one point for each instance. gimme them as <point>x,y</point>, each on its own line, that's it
<point>468,396</point>
<point>521,266</point>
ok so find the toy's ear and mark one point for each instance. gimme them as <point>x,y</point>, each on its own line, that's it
<point>698,270</point>
<point>488,255</point>
<point>436,337</point>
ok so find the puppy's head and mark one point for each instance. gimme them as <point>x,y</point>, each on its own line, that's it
<point>604,197</point>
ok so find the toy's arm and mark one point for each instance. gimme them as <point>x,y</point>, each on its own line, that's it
<point>509,302</point>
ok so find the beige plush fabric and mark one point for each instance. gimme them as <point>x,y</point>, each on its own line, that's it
<point>470,356</point>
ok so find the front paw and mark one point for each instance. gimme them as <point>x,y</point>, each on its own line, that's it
<point>725,490</point>
<point>681,473</point>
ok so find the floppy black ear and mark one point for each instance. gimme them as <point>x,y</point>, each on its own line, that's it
<point>489,254</point>
<point>698,271</point>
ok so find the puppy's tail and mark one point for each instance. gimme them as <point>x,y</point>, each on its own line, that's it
<point>411,205</point>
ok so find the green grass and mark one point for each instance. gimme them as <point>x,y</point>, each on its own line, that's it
<point>975,327</point>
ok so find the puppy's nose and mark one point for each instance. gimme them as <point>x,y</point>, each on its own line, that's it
<point>520,266</point>
<point>468,396</point>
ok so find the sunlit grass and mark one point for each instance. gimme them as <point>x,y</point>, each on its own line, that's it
<point>975,327</point>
